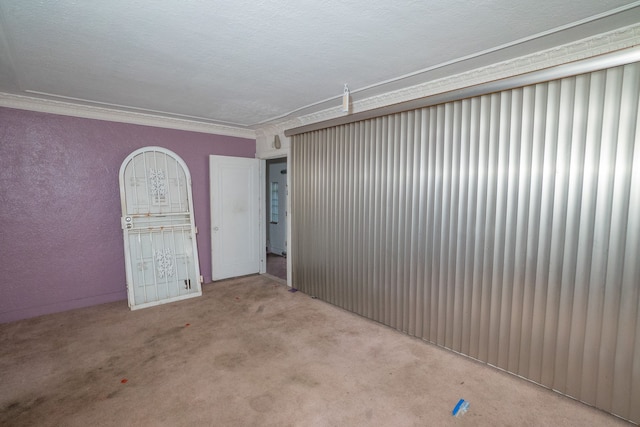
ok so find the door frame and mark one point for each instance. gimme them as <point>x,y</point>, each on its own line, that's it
<point>263,216</point>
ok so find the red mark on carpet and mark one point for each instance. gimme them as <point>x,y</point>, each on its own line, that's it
<point>124,380</point>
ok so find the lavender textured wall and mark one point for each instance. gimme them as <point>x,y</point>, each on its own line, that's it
<point>60,237</point>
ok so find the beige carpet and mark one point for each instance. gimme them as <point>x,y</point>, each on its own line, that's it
<point>250,353</point>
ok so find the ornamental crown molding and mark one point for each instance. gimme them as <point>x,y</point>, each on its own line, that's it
<point>100,113</point>
<point>600,44</point>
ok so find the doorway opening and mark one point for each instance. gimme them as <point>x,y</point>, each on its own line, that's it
<point>276,217</point>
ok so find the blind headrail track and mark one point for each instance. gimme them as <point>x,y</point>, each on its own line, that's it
<point>601,62</point>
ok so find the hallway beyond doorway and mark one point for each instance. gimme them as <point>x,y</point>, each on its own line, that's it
<point>277,266</point>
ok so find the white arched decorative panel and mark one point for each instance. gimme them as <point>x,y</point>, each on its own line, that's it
<point>161,255</point>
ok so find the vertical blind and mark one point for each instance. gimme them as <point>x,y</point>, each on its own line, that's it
<point>504,226</point>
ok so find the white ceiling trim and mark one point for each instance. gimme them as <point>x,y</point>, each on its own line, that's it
<point>458,60</point>
<point>586,48</point>
<point>511,44</point>
<point>572,69</point>
<point>113,115</point>
<point>119,107</point>
<point>603,43</point>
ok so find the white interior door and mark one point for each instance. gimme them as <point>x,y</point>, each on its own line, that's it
<point>161,254</point>
<point>235,216</point>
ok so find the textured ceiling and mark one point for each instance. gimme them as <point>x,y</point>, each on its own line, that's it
<point>243,63</point>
